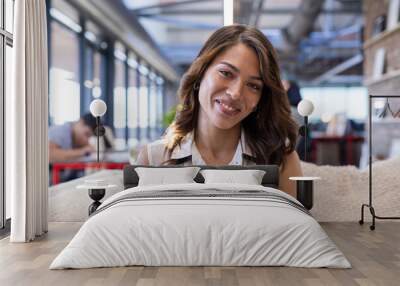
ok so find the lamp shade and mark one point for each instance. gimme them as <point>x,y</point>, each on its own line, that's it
<point>98,107</point>
<point>305,107</point>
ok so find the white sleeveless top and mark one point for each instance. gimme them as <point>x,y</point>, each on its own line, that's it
<point>190,155</point>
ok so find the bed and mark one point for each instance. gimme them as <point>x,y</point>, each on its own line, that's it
<point>201,224</point>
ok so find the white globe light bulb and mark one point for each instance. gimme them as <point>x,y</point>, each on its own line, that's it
<point>98,107</point>
<point>305,107</point>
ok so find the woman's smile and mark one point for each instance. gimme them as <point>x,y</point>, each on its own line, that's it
<point>227,107</point>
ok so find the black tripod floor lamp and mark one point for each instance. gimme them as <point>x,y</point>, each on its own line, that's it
<point>305,109</point>
<point>97,188</point>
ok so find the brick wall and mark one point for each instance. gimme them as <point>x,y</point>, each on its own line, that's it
<point>390,40</point>
<point>372,9</point>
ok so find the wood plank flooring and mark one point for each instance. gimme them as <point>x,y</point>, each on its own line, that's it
<point>375,257</point>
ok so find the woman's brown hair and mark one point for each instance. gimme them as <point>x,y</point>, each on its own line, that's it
<point>270,131</point>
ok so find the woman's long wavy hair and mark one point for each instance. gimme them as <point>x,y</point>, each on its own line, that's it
<point>270,131</point>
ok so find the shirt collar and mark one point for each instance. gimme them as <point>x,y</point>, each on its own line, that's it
<point>185,148</point>
<point>246,148</point>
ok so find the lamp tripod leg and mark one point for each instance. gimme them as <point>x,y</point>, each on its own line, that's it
<point>361,221</point>
<point>372,210</point>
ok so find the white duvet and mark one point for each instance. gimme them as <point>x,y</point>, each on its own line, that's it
<point>183,231</point>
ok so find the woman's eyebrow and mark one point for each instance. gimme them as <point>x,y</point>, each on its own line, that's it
<point>238,70</point>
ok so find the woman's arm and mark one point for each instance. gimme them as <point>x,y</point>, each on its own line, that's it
<point>143,158</point>
<point>291,168</point>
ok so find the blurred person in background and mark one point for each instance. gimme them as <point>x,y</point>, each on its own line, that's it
<point>293,93</point>
<point>70,141</point>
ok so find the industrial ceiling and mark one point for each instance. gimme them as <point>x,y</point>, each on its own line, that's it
<point>319,42</point>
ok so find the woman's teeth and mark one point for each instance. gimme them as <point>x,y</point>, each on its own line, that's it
<point>228,107</point>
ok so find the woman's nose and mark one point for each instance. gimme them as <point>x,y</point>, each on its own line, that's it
<point>235,89</point>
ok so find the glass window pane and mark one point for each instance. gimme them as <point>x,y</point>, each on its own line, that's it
<point>160,108</point>
<point>93,33</point>
<point>119,105</point>
<point>153,104</point>
<point>153,110</point>
<point>133,108</point>
<point>2,141</point>
<point>98,79</point>
<point>66,9</point>
<point>119,144</point>
<point>93,73</point>
<point>143,103</point>
<point>328,101</point>
<point>8,69</point>
<point>1,15</point>
<point>119,96</point>
<point>64,75</point>
<point>132,60</point>
<point>93,79</point>
<point>9,15</point>
<point>119,51</point>
<point>93,76</point>
<point>88,79</point>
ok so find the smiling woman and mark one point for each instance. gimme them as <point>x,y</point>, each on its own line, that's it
<point>234,109</point>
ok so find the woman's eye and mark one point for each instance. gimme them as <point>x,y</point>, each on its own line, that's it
<point>225,73</point>
<point>254,86</point>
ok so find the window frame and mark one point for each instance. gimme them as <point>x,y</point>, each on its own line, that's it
<point>160,91</point>
<point>88,71</point>
<point>2,125</point>
<point>108,69</point>
<point>6,39</point>
<point>52,25</point>
<point>121,132</point>
<point>133,87</point>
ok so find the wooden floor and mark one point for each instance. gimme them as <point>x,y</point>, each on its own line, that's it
<point>375,257</point>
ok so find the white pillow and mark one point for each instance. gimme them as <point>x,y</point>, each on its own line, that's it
<point>249,177</point>
<point>163,176</point>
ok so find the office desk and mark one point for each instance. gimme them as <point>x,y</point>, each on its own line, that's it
<point>109,160</point>
<point>348,140</point>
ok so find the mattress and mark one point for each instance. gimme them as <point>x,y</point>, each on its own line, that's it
<point>201,225</point>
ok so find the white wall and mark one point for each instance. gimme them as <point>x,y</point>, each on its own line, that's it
<point>352,101</point>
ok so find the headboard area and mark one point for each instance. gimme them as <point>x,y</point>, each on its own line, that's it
<point>270,179</point>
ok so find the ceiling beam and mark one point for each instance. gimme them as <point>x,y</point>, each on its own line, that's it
<point>257,11</point>
<point>242,11</point>
<point>123,27</point>
<point>168,5</point>
<point>339,68</point>
<point>302,23</point>
<point>346,79</point>
<point>270,11</point>
<point>184,24</point>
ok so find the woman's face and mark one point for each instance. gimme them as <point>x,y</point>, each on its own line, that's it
<point>231,87</point>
